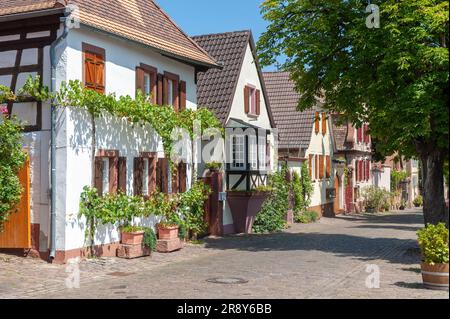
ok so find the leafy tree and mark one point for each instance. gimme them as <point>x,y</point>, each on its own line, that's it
<point>394,77</point>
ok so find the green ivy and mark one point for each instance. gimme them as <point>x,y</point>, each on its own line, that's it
<point>138,110</point>
<point>274,210</point>
<point>150,238</point>
<point>12,158</point>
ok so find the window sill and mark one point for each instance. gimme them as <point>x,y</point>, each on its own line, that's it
<point>252,116</point>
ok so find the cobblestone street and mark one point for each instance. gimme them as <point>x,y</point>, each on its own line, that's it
<point>327,259</point>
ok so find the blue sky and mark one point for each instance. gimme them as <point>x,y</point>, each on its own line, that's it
<point>213,16</point>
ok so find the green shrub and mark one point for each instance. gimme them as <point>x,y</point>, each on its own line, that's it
<point>12,159</point>
<point>376,199</point>
<point>274,210</point>
<point>433,242</point>
<point>307,217</point>
<point>150,238</point>
<point>418,201</point>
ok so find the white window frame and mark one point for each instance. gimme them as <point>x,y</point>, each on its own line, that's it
<point>238,152</point>
<point>170,88</point>
<point>147,84</point>
<point>262,152</point>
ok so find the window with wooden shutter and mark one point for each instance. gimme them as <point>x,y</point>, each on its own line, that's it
<point>357,170</point>
<point>146,81</point>
<point>311,158</point>
<point>366,134</point>
<point>317,123</point>
<point>144,174</point>
<point>367,170</point>
<point>324,123</point>
<point>182,95</point>
<point>321,166</point>
<point>94,67</point>
<point>328,170</point>
<point>106,179</point>
<point>170,90</point>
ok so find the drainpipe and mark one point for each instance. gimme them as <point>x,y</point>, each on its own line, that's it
<point>53,141</point>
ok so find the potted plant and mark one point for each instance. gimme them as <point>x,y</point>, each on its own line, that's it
<point>166,207</point>
<point>213,166</point>
<point>418,201</point>
<point>433,242</point>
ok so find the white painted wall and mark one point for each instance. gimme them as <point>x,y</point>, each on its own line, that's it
<point>74,131</point>
<point>321,145</point>
<point>382,178</point>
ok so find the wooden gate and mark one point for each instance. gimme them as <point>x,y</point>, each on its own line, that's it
<point>17,229</point>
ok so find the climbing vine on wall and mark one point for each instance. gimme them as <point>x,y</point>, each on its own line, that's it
<point>138,110</point>
<point>11,160</point>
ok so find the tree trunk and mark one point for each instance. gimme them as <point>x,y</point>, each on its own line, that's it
<point>434,209</point>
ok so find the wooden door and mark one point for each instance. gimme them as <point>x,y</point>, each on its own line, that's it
<point>336,203</point>
<point>17,229</point>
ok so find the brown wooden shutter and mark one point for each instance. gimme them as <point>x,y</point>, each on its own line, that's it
<point>321,166</point>
<point>113,174</point>
<point>317,167</point>
<point>317,123</point>
<point>359,135</point>
<point>152,181</point>
<point>162,180</point>
<point>182,95</point>
<point>310,166</point>
<point>140,79</point>
<point>89,70</point>
<point>98,175</point>
<point>258,102</point>
<point>123,174</point>
<point>324,123</point>
<point>160,89</point>
<point>182,173</point>
<point>137,175</point>
<point>100,74</point>
<point>175,175</point>
<point>328,167</point>
<point>366,134</point>
<point>246,99</point>
<point>268,155</point>
<point>176,95</point>
<point>165,92</point>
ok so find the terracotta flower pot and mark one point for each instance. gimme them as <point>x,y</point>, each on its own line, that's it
<point>435,276</point>
<point>168,233</point>
<point>134,238</point>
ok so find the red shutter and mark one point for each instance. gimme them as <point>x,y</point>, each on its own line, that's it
<point>317,123</point>
<point>100,75</point>
<point>361,169</point>
<point>359,135</point>
<point>160,90</point>
<point>98,177</point>
<point>182,95</point>
<point>137,175</point>
<point>176,96</point>
<point>258,102</point>
<point>321,166</point>
<point>246,99</point>
<point>357,170</point>
<point>324,123</point>
<point>122,174</point>
<point>367,170</point>
<point>328,171</point>
<point>366,133</point>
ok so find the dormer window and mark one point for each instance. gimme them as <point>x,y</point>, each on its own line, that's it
<point>252,100</point>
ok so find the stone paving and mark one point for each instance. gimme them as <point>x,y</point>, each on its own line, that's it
<point>328,259</point>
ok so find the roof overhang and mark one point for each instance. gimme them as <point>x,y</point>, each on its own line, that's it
<point>31,14</point>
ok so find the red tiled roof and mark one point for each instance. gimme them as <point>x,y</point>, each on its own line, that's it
<point>138,20</point>
<point>294,127</point>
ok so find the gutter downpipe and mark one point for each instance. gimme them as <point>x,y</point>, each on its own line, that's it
<point>53,141</point>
